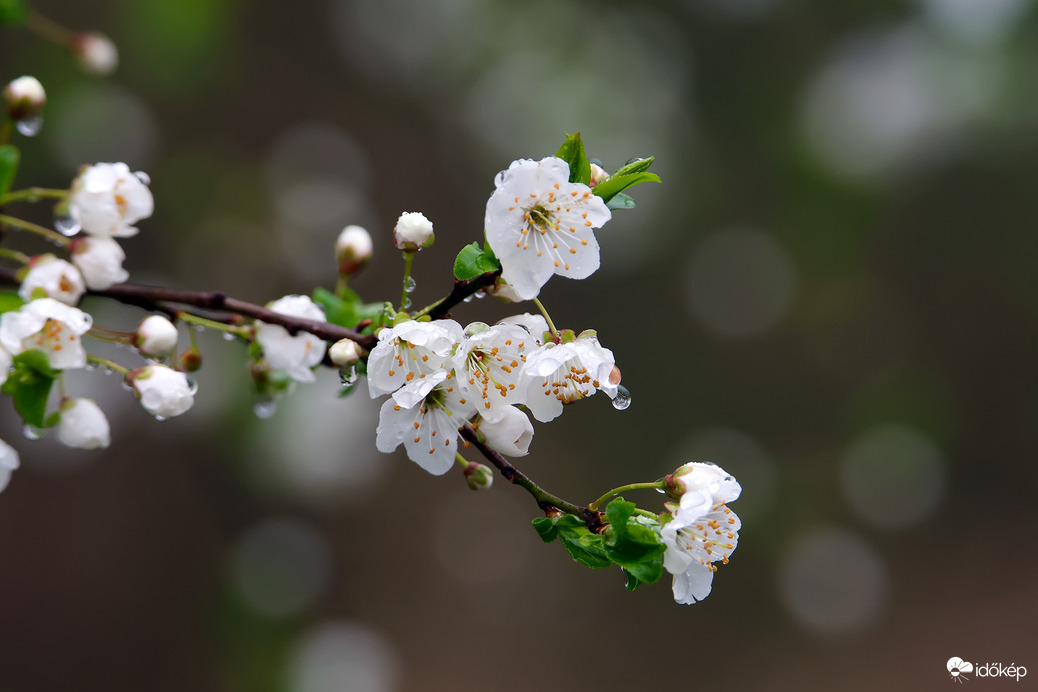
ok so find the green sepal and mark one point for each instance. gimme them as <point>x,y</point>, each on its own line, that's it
<point>572,152</point>
<point>13,11</point>
<point>631,544</point>
<point>347,311</point>
<point>29,386</point>
<point>621,201</point>
<point>10,301</point>
<point>473,261</point>
<point>607,189</point>
<point>9,159</point>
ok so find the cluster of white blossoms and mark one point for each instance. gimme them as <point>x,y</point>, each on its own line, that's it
<point>703,531</point>
<point>441,377</point>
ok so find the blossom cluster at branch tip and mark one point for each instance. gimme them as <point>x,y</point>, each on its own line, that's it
<point>540,224</point>
<point>703,531</point>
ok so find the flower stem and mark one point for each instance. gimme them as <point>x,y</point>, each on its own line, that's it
<point>50,235</point>
<point>111,365</point>
<point>657,485</point>
<point>190,318</point>
<point>404,300</point>
<point>32,194</point>
<point>19,257</point>
<point>462,461</point>
<point>52,31</point>
<point>547,318</point>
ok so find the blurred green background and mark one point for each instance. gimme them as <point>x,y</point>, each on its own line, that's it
<point>832,295</point>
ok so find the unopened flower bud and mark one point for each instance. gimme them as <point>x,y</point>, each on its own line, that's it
<point>24,97</point>
<point>157,337</point>
<point>100,261</point>
<point>353,249</point>
<point>598,175</point>
<point>704,477</point>
<point>83,425</point>
<point>163,392</point>
<point>191,359</point>
<point>344,352</point>
<point>96,53</point>
<point>413,231</point>
<point>478,476</point>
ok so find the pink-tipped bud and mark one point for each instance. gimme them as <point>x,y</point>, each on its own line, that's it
<point>598,175</point>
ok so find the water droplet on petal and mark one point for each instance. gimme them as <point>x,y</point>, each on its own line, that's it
<point>410,284</point>
<point>264,408</point>
<point>143,177</point>
<point>192,384</point>
<point>228,336</point>
<point>160,418</point>
<point>65,224</point>
<point>30,127</point>
<point>467,299</point>
<point>622,399</point>
<point>32,432</point>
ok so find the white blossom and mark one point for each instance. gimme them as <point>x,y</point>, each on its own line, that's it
<point>413,231</point>
<point>538,224</point>
<point>6,361</point>
<point>428,429</point>
<point>296,355</point>
<point>702,532</point>
<point>703,477</point>
<point>407,354</point>
<point>8,463</point>
<point>536,325</point>
<point>49,326</point>
<point>511,434</point>
<point>163,392</point>
<point>83,425</point>
<point>96,53</point>
<point>107,199</point>
<point>100,259</point>
<point>488,363</point>
<point>55,277</point>
<point>156,337</point>
<point>557,374</point>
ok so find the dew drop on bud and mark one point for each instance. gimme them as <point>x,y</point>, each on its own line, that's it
<point>622,399</point>
<point>264,408</point>
<point>348,376</point>
<point>410,284</point>
<point>30,127</point>
<point>143,177</point>
<point>160,418</point>
<point>65,224</point>
<point>192,384</point>
<point>32,432</point>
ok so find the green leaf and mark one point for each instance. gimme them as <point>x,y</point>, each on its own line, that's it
<point>633,582</point>
<point>10,301</point>
<point>29,385</point>
<point>618,183</point>
<point>631,544</point>
<point>572,152</point>
<point>635,166</point>
<point>347,311</point>
<point>472,262</point>
<point>13,11</point>
<point>9,158</point>
<point>621,201</point>
<point>545,529</point>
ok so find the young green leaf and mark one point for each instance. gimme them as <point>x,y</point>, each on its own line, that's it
<point>618,183</point>
<point>545,528</point>
<point>572,152</point>
<point>621,201</point>
<point>472,262</point>
<point>29,385</point>
<point>9,158</point>
<point>9,301</point>
<point>631,544</point>
<point>635,166</point>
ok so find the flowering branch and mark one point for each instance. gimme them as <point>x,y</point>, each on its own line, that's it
<point>461,291</point>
